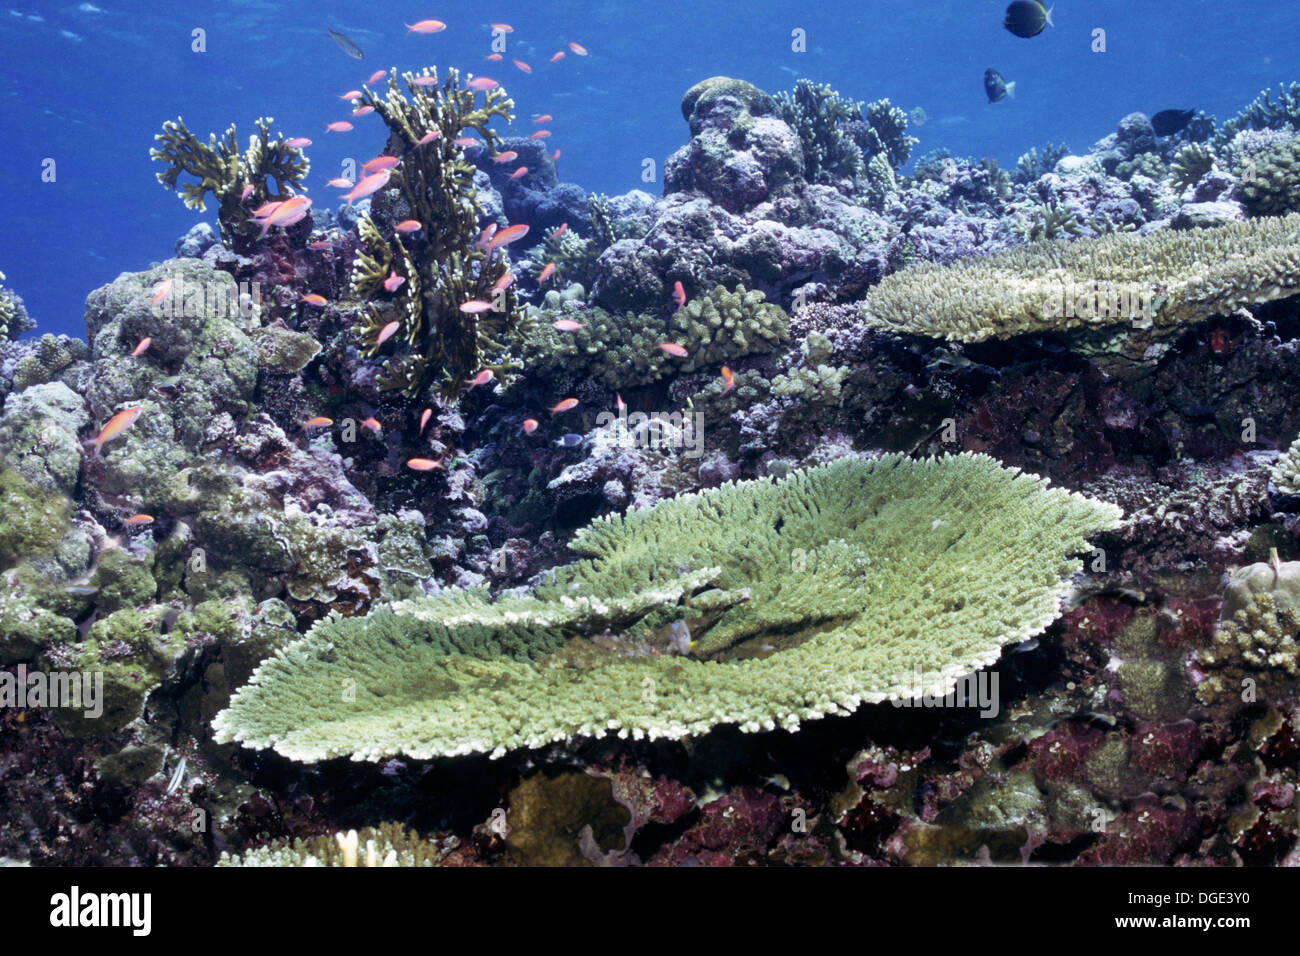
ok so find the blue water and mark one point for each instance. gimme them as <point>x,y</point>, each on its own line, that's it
<point>89,84</point>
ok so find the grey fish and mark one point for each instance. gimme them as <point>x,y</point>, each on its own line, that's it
<point>346,45</point>
<point>569,441</point>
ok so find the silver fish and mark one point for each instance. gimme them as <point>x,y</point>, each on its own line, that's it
<point>346,45</point>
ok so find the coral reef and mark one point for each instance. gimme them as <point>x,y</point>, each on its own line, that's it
<point>1271,187</point>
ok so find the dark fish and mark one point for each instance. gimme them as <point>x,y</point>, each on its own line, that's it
<point>996,87</point>
<point>346,45</point>
<point>1168,122</point>
<point>1027,18</point>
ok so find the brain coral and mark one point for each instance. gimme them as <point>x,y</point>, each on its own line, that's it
<point>1166,279</point>
<point>805,597</point>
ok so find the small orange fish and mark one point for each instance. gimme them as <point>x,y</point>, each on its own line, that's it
<point>619,403</point>
<point>507,235</point>
<point>556,157</point>
<point>320,421</point>
<point>564,227</point>
<point>546,273</point>
<point>530,425</point>
<point>313,298</point>
<point>544,118</point>
<point>494,57</point>
<point>142,347</point>
<point>244,193</point>
<point>503,282</point>
<point>363,111</point>
<point>340,127</point>
<point>558,57</point>
<point>424,81</point>
<point>298,142</point>
<point>425,26</point>
<point>567,325</point>
<point>679,294</point>
<point>375,77</point>
<point>509,156</point>
<point>320,245</point>
<point>578,48</point>
<point>519,173</point>
<point>266,209</point>
<point>482,378</point>
<point>463,141</point>
<point>428,137</point>
<point>353,94</point>
<point>730,378</point>
<point>394,282</point>
<point>481,84</point>
<point>380,162</point>
<point>487,235</point>
<point>408,225</point>
<point>523,66</point>
<point>424,418</point>
<point>116,425</point>
<point>162,290</point>
<point>563,406</point>
<point>135,520</point>
<point>386,333</point>
<point>475,306</point>
<point>503,27</point>
<point>370,184</point>
<point>340,182</point>
<point>672,348</point>
<point>372,423</point>
<point>424,464</point>
<point>541,134</point>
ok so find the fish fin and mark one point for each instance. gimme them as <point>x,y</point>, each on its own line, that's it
<point>92,447</point>
<point>1011,89</point>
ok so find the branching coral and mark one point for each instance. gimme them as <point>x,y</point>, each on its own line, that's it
<point>833,587</point>
<point>1031,165</point>
<point>1263,113</point>
<point>1272,186</point>
<point>441,265</point>
<point>1047,221</point>
<point>389,844</point>
<point>1167,279</point>
<point>1191,163</point>
<point>624,351</point>
<point>13,317</point>
<point>839,136</point>
<point>1286,470</point>
<point>220,169</point>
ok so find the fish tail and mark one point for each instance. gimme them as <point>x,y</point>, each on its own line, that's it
<point>1048,15</point>
<point>1011,89</point>
<point>92,447</point>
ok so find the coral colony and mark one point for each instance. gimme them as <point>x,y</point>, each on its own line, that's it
<point>673,517</point>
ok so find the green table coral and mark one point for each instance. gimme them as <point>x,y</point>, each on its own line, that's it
<point>1168,279</point>
<point>805,597</point>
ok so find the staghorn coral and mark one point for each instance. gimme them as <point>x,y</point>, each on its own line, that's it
<point>443,268</point>
<point>1263,113</point>
<point>840,137</point>
<point>1168,279</point>
<point>1047,221</point>
<point>1270,184</point>
<point>389,844</point>
<point>1190,164</point>
<point>1031,165</point>
<point>836,586</point>
<point>718,327</point>
<point>220,169</point>
<point>13,317</point>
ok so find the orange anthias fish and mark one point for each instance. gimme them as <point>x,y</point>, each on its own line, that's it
<point>408,225</point>
<point>523,66</point>
<point>386,333</point>
<point>244,193</point>
<point>563,406</point>
<point>556,157</point>
<point>482,378</point>
<point>558,57</point>
<point>463,141</point>
<point>487,235</point>
<point>544,118</point>
<point>530,425</point>
<point>380,163</point>
<point>342,126</point>
<point>503,27</point>
<point>425,26</point>
<point>424,418</point>
<point>320,421</point>
<point>323,244</point>
<point>618,402</point>
<point>567,325</point>
<point>370,184</point>
<point>578,48</point>
<point>481,84</point>
<point>116,425</point>
<point>540,134</point>
<point>394,282</point>
<point>672,348</point>
<point>135,520</point>
<point>142,347</point>
<point>363,111</point>
<point>372,423</point>
<point>564,227</point>
<point>547,272</point>
<point>679,293</point>
<point>354,94</point>
<point>730,378</point>
<point>340,182</point>
<point>494,57</point>
<point>475,306</point>
<point>424,81</point>
<point>424,464</point>
<point>286,214</point>
<point>507,235</point>
<point>162,290</point>
<point>298,142</point>
<point>313,298</point>
<point>519,173</point>
<point>509,156</point>
<point>375,77</point>
<point>428,137</point>
<point>503,282</point>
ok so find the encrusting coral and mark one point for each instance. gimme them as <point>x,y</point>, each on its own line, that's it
<point>220,169</point>
<point>1167,279</point>
<point>760,603</point>
<point>441,265</point>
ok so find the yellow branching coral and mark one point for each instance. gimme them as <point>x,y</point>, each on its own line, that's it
<point>1168,279</point>
<point>758,604</point>
<point>389,844</point>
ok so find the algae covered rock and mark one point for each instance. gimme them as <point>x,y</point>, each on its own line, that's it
<point>32,519</point>
<point>38,435</point>
<point>759,604</point>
